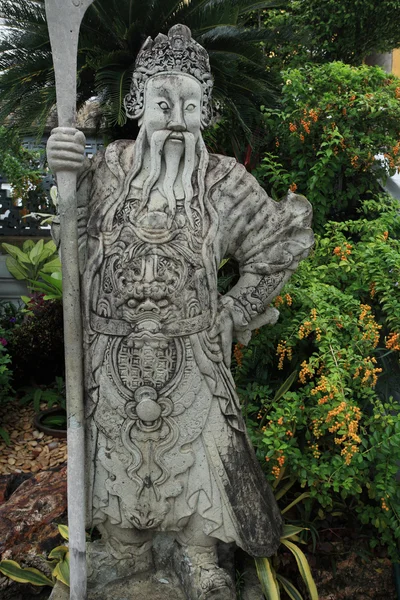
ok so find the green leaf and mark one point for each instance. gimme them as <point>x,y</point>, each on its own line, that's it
<point>36,252</point>
<point>16,253</point>
<point>285,488</point>
<point>37,396</point>
<point>59,552</point>
<point>11,569</point>
<point>223,262</point>
<point>266,575</point>
<point>296,501</point>
<point>286,385</point>
<point>52,266</point>
<point>28,245</point>
<point>289,530</point>
<point>289,588</point>
<point>26,299</point>
<point>304,568</point>
<point>16,269</point>
<point>61,570</point>
<point>63,529</point>
<point>5,436</point>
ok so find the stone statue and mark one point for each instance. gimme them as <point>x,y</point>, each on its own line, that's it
<point>167,449</point>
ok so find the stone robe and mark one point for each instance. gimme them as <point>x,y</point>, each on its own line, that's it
<point>166,438</point>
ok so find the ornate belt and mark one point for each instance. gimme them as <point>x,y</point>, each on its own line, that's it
<point>119,327</point>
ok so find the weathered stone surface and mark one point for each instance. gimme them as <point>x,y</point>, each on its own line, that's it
<point>168,449</point>
<point>158,586</point>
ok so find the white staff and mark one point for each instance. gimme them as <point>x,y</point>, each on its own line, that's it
<point>64,18</point>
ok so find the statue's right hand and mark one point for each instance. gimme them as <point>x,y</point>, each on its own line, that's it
<point>66,149</point>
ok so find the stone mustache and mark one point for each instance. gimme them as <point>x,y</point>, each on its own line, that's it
<point>167,449</point>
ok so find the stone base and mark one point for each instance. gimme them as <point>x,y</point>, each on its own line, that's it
<point>157,586</point>
<point>147,586</point>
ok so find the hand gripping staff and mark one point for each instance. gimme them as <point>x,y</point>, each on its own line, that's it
<point>64,18</point>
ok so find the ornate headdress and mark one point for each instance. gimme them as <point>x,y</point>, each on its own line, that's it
<point>177,52</point>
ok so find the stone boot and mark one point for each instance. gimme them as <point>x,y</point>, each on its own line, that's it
<point>201,577</point>
<point>111,559</point>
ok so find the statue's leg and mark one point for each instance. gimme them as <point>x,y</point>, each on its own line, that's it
<point>197,567</point>
<point>120,553</point>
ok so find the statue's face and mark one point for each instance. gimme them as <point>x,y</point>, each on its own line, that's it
<point>172,102</point>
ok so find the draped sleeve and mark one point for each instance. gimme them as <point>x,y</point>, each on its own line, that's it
<point>267,238</point>
<point>264,236</point>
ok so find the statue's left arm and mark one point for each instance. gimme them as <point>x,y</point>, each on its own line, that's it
<point>268,239</point>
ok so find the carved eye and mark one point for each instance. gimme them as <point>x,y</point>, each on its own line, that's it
<point>163,105</point>
<point>190,107</point>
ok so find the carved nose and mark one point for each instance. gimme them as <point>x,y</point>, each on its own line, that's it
<point>148,305</point>
<point>176,126</point>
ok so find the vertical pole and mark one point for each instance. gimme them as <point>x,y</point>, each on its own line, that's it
<point>63,20</point>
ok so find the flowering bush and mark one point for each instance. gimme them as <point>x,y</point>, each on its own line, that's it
<point>334,120</point>
<point>336,428</point>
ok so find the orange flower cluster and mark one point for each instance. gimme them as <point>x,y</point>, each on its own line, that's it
<point>393,341</point>
<point>367,322</point>
<point>277,142</point>
<point>383,500</point>
<point>238,354</point>
<point>370,375</point>
<point>305,330</point>
<point>346,418</point>
<point>314,314</point>
<point>302,138</point>
<point>276,470</point>
<point>305,372</point>
<point>385,235</point>
<point>280,300</point>
<point>365,310</point>
<point>354,161</point>
<point>328,390</point>
<point>293,187</point>
<point>372,289</point>
<point>282,350</point>
<point>316,428</point>
<point>343,252</point>
<point>397,93</point>
<point>292,127</point>
<point>315,450</point>
<point>396,149</point>
<point>390,159</point>
<point>306,125</point>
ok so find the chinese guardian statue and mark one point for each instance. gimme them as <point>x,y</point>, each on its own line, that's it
<point>167,449</point>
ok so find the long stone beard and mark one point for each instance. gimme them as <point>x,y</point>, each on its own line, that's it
<point>173,164</point>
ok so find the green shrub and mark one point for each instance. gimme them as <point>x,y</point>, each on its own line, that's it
<point>332,432</point>
<point>37,345</point>
<point>5,377</point>
<point>334,120</point>
<point>37,264</point>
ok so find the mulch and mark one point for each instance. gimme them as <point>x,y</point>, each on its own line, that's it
<point>30,450</point>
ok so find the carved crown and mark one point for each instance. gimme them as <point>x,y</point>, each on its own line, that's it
<point>177,52</point>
